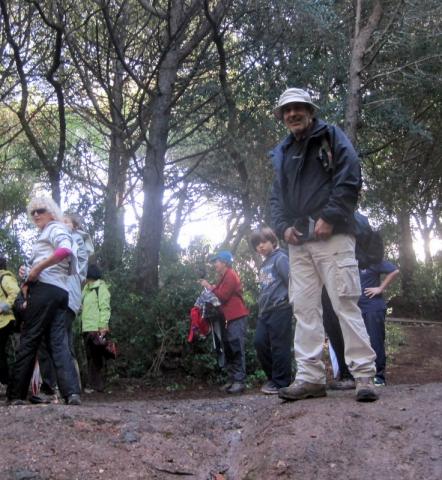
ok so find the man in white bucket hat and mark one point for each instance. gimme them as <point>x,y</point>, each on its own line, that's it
<point>315,191</point>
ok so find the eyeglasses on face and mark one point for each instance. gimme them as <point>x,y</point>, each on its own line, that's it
<point>38,211</point>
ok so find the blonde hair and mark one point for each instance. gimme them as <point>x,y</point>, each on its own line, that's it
<point>47,203</point>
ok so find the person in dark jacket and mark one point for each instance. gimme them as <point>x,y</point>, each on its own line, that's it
<point>315,191</point>
<point>273,336</point>
<point>229,292</point>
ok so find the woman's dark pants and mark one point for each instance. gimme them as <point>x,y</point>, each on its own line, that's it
<point>44,319</point>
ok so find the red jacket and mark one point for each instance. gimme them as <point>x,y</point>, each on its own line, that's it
<point>229,292</point>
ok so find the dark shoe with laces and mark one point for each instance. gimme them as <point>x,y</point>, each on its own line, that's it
<point>43,398</point>
<point>365,390</point>
<point>73,399</point>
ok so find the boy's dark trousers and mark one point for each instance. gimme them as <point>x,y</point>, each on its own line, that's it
<point>375,324</point>
<point>44,318</point>
<point>273,343</point>
<point>234,340</point>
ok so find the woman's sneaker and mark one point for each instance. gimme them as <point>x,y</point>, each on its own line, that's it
<point>379,382</point>
<point>270,388</point>
<point>236,388</point>
<point>224,388</point>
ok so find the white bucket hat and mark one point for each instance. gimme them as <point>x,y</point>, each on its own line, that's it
<point>292,95</point>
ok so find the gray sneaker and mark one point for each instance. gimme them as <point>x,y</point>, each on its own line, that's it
<point>224,388</point>
<point>299,390</point>
<point>73,399</point>
<point>270,388</point>
<point>365,390</point>
<point>236,388</point>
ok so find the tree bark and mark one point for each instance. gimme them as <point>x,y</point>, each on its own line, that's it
<point>114,234</point>
<point>360,42</point>
<point>407,257</point>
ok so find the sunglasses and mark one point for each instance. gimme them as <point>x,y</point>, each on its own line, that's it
<point>38,211</point>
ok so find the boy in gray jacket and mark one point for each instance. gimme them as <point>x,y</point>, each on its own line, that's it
<point>273,337</point>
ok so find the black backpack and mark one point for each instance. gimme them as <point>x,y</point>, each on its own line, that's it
<point>369,243</point>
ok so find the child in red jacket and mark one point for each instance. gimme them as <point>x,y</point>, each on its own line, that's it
<point>229,292</point>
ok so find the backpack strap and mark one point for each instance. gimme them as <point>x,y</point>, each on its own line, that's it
<point>326,154</point>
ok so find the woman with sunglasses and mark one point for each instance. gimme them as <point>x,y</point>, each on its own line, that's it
<point>53,260</point>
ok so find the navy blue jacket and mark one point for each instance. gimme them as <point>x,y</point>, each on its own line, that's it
<point>274,282</point>
<point>320,193</point>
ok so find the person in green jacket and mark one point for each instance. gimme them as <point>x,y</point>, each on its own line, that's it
<point>8,292</point>
<point>95,315</point>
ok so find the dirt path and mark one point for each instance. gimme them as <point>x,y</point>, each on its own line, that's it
<point>420,359</point>
<point>156,435</point>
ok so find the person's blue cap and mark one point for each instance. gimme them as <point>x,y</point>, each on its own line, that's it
<point>224,256</point>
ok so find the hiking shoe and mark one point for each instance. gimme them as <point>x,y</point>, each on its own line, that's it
<point>365,390</point>
<point>43,398</point>
<point>299,390</point>
<point>73,399</point>
<point>16,402</point>
<point>224,388</point>
<point>270,388</point>
<point>236,388</point>
<point>379,382</point>
<point>344,384</point>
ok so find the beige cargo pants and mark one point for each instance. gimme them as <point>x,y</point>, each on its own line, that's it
<point>331,263</point>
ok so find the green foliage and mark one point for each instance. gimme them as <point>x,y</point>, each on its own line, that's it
<point>152,332</point>
<point>427,292</point>
<point>394,338</point>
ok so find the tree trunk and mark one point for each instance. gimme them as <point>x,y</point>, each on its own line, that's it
<point>360,41</point>
<point>151,226</point>
<point>114,235</point>
<point>113,232</point>
<point>407,257</point>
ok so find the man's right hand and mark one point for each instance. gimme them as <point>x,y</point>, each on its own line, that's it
<point>292,236</point>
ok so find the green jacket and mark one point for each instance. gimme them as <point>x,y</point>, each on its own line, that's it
<point>96,311</point>
<point>8,292</point>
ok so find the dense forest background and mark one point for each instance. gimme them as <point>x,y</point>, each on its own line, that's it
<point>138,113</point>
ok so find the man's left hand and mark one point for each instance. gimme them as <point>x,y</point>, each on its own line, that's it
<point>323,230</point>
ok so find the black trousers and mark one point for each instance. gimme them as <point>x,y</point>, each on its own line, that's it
<point>96,364</point>
<point>273,344</point>
<point>234,340</point>
<point>5,333</point>
<point>44,319</point>
<point>334,334</point>
<point>47,369</point>
<point>375,323</point>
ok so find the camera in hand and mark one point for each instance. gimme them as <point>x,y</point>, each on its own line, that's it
<point>305,225</point>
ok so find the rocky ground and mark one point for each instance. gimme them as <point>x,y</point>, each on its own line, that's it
<point>138,433</point>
